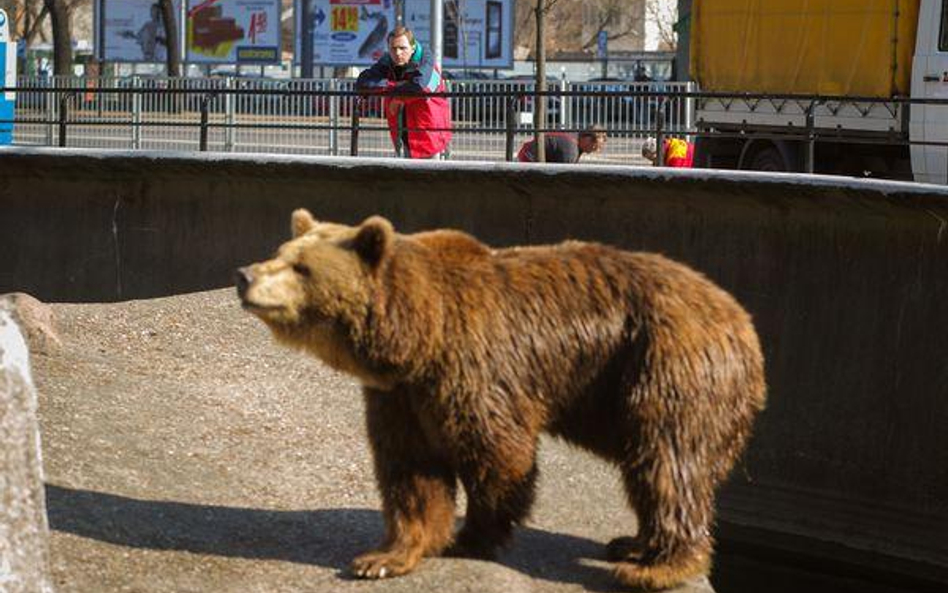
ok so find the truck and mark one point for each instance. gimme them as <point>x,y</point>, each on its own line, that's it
<point>829,86</point>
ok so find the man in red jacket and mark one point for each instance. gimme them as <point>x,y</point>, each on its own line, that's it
<point>420,126</point>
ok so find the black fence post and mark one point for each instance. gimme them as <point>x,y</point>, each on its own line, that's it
<point>511,126</point>
<point>354,133</point>
<point>64,115</point>
<point>205,101</point>
<point>401,138</point>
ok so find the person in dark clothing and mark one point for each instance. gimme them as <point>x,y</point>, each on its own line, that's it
<point>563,147</point>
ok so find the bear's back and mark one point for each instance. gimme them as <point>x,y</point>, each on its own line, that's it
<point>451,245</point>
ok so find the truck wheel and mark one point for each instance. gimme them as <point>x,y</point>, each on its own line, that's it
<point>768,159</point>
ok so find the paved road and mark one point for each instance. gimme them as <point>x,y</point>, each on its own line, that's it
<point>185,451</point>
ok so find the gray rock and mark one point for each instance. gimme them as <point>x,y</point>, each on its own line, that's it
<point>36,321</point>
<point>24,533</point>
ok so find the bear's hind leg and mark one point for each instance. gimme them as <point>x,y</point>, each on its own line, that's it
<point>417,489</point>
<point>665,575</point>
<point>674,509</point>
<point>496,503</point>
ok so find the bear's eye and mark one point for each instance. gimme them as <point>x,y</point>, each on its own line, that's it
<point>302,270</point>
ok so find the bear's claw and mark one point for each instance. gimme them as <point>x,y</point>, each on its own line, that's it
<point>380,565</point>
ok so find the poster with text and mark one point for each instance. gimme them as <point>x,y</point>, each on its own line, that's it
<point>131,31</point>
<point>475,33</point>
<point>233,31</point>
<point>347,32</point>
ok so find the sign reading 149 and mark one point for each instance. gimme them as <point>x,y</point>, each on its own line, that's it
<point>345,18</point>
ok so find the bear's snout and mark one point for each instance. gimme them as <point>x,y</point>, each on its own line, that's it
<point>242,278</point>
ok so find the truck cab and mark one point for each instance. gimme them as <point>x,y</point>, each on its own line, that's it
<point>929,123</point>
<point>820,86</point>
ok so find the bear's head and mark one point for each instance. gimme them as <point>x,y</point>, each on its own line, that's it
<point>315,292</point>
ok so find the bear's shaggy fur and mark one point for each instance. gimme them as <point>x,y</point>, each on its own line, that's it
<point>468,353</point>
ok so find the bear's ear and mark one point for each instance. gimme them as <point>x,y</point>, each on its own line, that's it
<point>301,222</point>
<point>374,239</point>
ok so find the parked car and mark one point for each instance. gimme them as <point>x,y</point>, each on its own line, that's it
<point>466,75</point>
<point>482,109</point>
<point>525,102</point>
<point>487,103</point>
<point>627,106</point>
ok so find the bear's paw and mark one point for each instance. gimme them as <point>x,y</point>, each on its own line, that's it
<point>384,564</point>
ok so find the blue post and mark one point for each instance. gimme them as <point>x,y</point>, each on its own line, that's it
<point>7,80</point>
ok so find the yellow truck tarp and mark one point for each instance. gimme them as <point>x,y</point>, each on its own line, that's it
<point>828,47</point>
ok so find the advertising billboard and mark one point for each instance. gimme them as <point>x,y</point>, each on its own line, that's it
<point>7,79</point>
<point>131,31</point>
<point>475,33</point>
<point>233,32</point>
<point>348,32</point>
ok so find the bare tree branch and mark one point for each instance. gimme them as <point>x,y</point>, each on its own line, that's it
<point>664,16</point>
<point>36,26</point>
<point>575,26</point>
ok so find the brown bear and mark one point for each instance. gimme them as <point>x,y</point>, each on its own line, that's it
<point>468,353</point>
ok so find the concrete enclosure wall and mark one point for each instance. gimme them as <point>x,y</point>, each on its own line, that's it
<point>847,282</point>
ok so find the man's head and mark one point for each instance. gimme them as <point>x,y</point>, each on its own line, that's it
<point>401,45</point>
<point>650,150</point>
<point>591,140</point>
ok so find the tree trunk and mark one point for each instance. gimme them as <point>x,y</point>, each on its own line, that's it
<point>62,37</point>
<point>539,102</point>
<point>172,43</point>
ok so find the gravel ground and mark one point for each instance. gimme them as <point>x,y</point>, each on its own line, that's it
<point>186,451</point>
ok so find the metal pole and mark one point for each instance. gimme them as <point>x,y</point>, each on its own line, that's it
<point>690,111</point>
<point>229,116</point>
<point>136,115</point>
<point>564,104</point>
<point>399,12</point>
<point>306,39</point>
<point>437,20</point>
<point>183,38</point>
<point>333,117</point>
<point>810,146</point>
<point>660,132</point>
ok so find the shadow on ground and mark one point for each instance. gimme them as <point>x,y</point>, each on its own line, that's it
<point>324,537</point>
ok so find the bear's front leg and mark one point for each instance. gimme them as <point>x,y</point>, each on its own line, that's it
<point>416,484</point>
<point>500,487</point>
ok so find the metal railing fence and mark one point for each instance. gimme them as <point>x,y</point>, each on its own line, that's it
<point>327,116</point>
